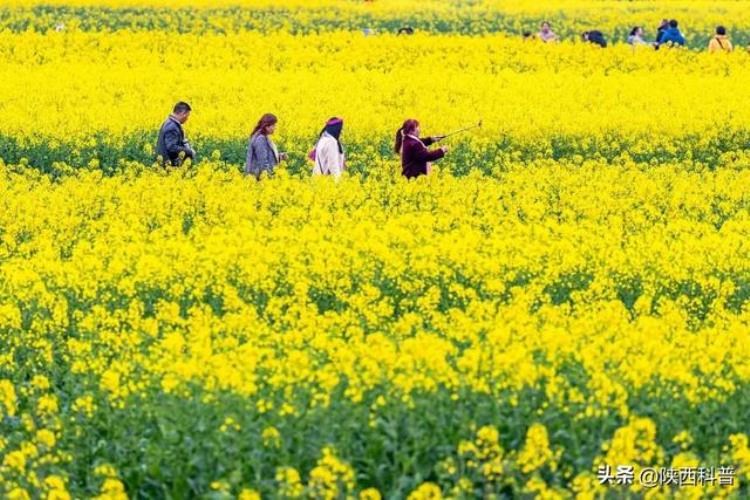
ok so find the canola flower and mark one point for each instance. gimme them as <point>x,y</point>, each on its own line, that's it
<point>477,17</point>
<point>103,97</point>
<point>570,288</point>
<point>451,336</point>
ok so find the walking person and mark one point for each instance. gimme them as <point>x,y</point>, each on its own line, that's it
<point>661,29</point>
<point>262,154</point>
<point>546,34</point>
<point>415,157</point>
<point>672,35</point>
<point>171,146</point>
<point>594,36</point>
<point>636,37</point>
<point>328,154</point>
<point>720,42</point>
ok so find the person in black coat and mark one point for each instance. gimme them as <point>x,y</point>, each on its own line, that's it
<point>595,37</point>
<point>415,155</point>
<point>171,147</point>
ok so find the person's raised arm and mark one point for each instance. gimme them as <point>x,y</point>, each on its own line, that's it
<point>424,154</point>
<point>436,154</point>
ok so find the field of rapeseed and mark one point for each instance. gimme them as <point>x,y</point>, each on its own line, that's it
<point>76,96</point>
<point>570,288</point>
<point>198,332</point>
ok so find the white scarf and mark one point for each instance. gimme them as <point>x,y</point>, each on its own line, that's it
<point>415,138</point>
<point>274,148</point>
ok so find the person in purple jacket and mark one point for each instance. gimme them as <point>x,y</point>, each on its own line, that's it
<point>415,157</point>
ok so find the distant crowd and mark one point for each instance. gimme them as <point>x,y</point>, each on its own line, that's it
<point>667,34</point>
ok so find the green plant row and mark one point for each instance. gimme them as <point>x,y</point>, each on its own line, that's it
<point>108,154</point>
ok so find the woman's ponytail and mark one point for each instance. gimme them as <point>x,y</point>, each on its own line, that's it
<point>399,140</point>
<point>408,127</point>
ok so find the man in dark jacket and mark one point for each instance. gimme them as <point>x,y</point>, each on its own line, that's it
<point>171,146</point>
<point>672,35</point>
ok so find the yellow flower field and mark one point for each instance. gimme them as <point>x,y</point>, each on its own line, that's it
<point>568,290</point>
<point>469,17</point>
<point>536,101</point>
<point>153,308</point>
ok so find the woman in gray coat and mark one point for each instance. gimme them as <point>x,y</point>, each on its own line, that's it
<point>262,155</point>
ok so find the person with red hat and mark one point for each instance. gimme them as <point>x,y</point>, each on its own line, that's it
<point>328,154</point>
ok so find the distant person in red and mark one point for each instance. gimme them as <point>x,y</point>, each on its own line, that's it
<point>415,157</point>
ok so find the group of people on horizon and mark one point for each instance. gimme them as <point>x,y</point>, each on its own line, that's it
<point>327,156</point>
<point>667,34</point>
